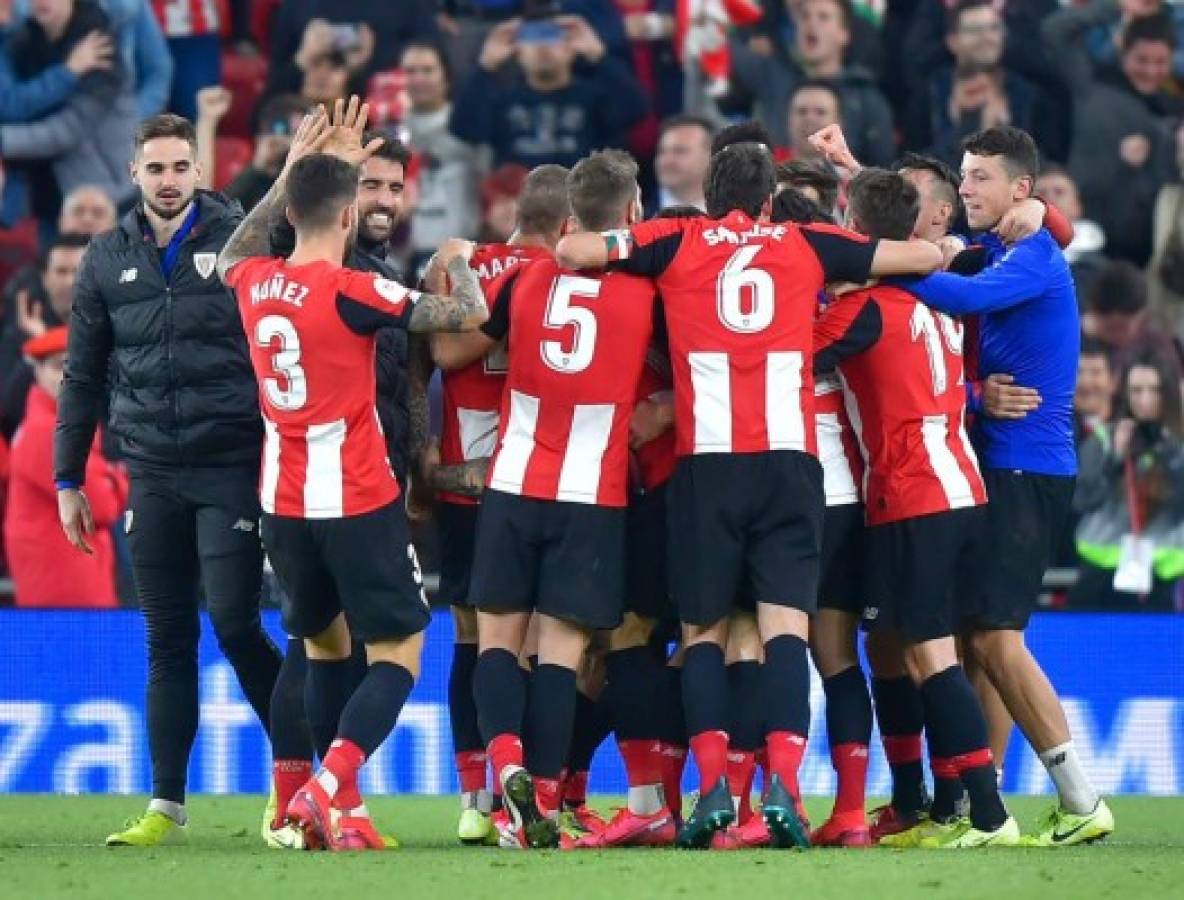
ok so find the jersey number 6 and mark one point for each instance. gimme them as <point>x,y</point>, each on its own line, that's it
<point>285,362</point>
<point>745,298</point>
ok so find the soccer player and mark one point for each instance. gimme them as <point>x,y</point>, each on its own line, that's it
<point>551,538</point>
<point>332,522</point>
<point>1029,329</point>
<point>746,499</point>
<point>903,369</point>
<point>472,395</point>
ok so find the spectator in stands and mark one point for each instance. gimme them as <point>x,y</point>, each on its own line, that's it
<point>1141,459</point>
<point>278,121</point>
<point>1093,399</point>
<point>499,202</point>
<point>326,79</point>
<point>650,26</point>
<point>815,179</point>
<point>821,37</point>
<point>145,54</point>
<point>568,98</point>
<point>1086,253</point>
<point>1165,274</point>
<point>46,570</point>
<point>1121,152</point>
<point>88,141</point>
<point>86,210</point>
<point>447,204</point>
<point>1104,40</point>
<point>1116,313</point>
<point>192,31</point>
<point>684,152</point>
<point>812,106</point>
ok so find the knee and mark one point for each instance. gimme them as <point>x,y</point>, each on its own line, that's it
<point>236,629</point>
<point>988,649</point>
<point>464,620</point>
<point>634,631</point>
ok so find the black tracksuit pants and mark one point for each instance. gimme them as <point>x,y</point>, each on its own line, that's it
<point>186,523</point>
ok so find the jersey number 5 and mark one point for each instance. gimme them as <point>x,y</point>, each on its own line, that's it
<point>291,393</point>
<point>924,326</point>
<point>561,314</point>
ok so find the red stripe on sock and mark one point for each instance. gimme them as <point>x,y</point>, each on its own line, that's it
<point>548,794</point>
<point>575,788</point>
<point>975,759</point>
<point>470,770</point>
<point>343,760</point>
<point>902,749</point>
<point>504,750</point>
<point>710,749</point>
<point>943,767</point>
<point>850,762</point>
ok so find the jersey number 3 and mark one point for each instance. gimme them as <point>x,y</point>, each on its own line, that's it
<point>289,392</point>
<point>576,355</point>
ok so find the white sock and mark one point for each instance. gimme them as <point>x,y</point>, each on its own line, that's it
<point>328,781</point>
<point>1077,794</point>
<point>170,808</point>
<point>645,800</point>
<point>485,801</point>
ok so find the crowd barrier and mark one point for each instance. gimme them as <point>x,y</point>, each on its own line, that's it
<point>72,711</point>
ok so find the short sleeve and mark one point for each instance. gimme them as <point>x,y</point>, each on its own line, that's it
<point>243,270</point>
<point>844,255</point>
<point>498,324</point>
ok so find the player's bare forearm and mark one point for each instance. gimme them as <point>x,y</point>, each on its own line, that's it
<point>419,373</point>
<point>466,479</point>
<point>464,310</point>
<point>582,251</point>
<point>252,237</point>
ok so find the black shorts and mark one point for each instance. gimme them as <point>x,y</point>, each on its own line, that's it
<point>917,570</point>
<point>1026,515</point>
<point>457,524</point>
<point>565,560</point>
<point>844,559</point>
<point>363,565</point>
<point>647,589</point>
<point>744,522</point>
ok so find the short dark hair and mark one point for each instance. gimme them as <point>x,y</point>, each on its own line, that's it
<point>1119,287</point>
<point>390,149</point>
<point>883,204</point>
<point>1015,145</point>
<point>1156,29</point>
<point>739,177</point>
<point>433,47</point>
<point>166,125</point>
<point>686,120</point>
<point>954,16</point>
<point>319,187</point>
<point>66,241</point>
<point>947,177</point>
<point>1091,346</point>
<point>751,132</point>
<point>599,187</point>
<point>811,173</point>
<point>791,205</point>
<point>543,203</point>
<point>818,84</point>
<point>678,211</point>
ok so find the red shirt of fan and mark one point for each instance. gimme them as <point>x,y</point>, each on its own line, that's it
<point>740,297</point>
<point>902,365</point>
<point>472,396</point>
<point>577,347</point>
<point>838,450</point>
<point>311,334</point>
<point>186,18</point>
<point>655,459</point>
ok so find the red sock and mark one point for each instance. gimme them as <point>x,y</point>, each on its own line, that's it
<point>786,750</point>
<point>850,762</point>
<point>710,749</point>
<point>674,760</point>
<point>643,761</point>
<point>575,789</point>
<point>343,761</point>
<point>741,769</point>
<point>470,769</point>
<point>289,776</point>
<point>548,794</point>
<point>504,750</point>
<point>902,749</point>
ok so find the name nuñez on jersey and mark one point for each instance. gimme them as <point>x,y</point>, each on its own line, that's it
<point>279,288</point>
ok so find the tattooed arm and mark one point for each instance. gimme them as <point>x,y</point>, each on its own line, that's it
<point>466,479</point>
<point>463,310</point>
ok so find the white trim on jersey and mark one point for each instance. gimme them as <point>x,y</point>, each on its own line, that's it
<point>269,478</point>
<point>509,467</point>
<point>478,432</point>
<point>837,479</point>
<point>783,401</point>
<point>935,431</point>
<point>967,446</point>
<point>323,484</point>
<point>711,386</point>
<point>851,404</point>
<point>579,476</point>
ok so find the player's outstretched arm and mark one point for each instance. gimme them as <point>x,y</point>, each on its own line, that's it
<point>906,258</point>
<point>463,310</point>
<point>583,251</point>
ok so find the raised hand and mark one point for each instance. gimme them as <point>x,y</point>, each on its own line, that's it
<point>213,103</point>
<point>310,137</point>
<point>93,52</point>
<point>348,128</point>
<point>832,143</point>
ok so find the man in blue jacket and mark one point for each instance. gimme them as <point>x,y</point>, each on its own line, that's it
<point>1029,329</point>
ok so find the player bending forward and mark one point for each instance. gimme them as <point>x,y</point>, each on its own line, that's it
<point>332,520</point>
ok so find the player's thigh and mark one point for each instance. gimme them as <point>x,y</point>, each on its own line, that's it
<point>457,528</point>
<point>505,559</point>
<point>309,600</point>
<point>705,540</point>
<point>647,585</point>
<point>581,575</point>
<point>784,537</point>
<point>377,574</point>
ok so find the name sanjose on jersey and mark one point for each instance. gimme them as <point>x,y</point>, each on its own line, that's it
<point>721,234</point>
<point>279,288</point>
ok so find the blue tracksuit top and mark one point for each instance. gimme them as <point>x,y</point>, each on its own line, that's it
<point>1028,328</point>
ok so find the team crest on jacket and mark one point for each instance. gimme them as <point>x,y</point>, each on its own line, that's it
<point>204,263</point>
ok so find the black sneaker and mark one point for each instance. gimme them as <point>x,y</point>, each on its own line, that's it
<point>529,826</point>
<point>714,812</point>
<point>786,828</point>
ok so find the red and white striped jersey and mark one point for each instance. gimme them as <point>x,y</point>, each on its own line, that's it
<point>902,365</point>
<point>838,450</point>
<point>739,297</point>
<point>311,333</point>
<point>186,18</point>
<point>472,396</point>
<point>577,346</point>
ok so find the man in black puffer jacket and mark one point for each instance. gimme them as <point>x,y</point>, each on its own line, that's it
<point>151,315</point>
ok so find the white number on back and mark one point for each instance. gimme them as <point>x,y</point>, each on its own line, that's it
<point>561,314</point>
<point>745,298</point>
<point>924,325</point>
<point>291,393</point>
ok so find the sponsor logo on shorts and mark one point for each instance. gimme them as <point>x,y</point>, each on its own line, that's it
<point>243,525</point>
<point>871,613</point>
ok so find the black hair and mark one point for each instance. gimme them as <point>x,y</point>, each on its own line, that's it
<point>883,204</point>
<point>811,173</point>
<point>1015,145</point>
<point>319,187</point>
<point>65,241</point>
<point>434,47</point>
<point>1119,287</point>
<point>1091,346</point>
<point>678,211</point>
<point>819,84</point>
<point>390,149</point>
<point>750,132</point>
<point>791,205</point>
<point>686,120</point>
<point>165,125</point>
<point>740,177</point>
<point>1156,29</point>
<point>954,16</point>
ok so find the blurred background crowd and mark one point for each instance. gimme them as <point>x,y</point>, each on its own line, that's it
<point>482,90</point>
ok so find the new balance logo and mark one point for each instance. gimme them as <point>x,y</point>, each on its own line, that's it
<point>128,275</point>
<point>243,525</point>
<point>1058,760</point>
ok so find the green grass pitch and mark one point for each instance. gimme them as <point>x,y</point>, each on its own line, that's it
<point>50,847</point>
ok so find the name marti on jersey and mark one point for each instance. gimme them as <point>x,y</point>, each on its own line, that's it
<point>721,234</point>
<point>277,287</point>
